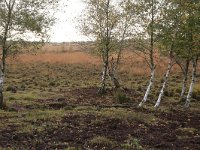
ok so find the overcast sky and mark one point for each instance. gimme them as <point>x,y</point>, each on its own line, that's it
<point>65,29</point>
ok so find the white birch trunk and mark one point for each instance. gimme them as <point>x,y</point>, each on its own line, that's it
<point>185,78</point>
<point>187,103</point>
<point>148,88</point>
<point>151,57</point>
<point>164,84</point>
<point>102,88</point>
<point>183,87</point>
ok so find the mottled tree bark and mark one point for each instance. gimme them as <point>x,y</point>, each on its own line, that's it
<point>148,88</point>
<point>151,53</point>
<point>188,99</point>
<point>1,90</point>
<point>114,80</point>
<point>184,84</point>
<point>102,89</point>
<point>105,51</point>
<point>113,74</point>
<point>5,48</point>
<point>1,99</point>
<point>165,81</point>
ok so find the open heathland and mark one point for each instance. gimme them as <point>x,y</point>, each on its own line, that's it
<point>52,103</point>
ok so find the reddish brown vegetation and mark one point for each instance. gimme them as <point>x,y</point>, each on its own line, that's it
<point>130,63</point>
<point>66,58</point>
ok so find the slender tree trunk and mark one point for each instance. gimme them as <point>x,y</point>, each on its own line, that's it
<point>152,65</point>
<point>188,99</point>
<point>114,80</point>
<point>164,83</point>
<point>114,66</point>
<point>103,80</point>
<point>112,73</point>
<point>185,78</point>
<point>184,84</point>
<point>2,70</point>
<point>148,88</point>
<point>1,90</point>
<point>5,48</point>
<point>1,100</point>
<point>105,51</point>
<point>105,56</point>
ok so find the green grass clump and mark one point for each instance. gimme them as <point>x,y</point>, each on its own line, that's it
<point>121,97</point>
<point>132,143</point>
<point>33,95</point>
<point>102,141</point>
<point>127,115</point>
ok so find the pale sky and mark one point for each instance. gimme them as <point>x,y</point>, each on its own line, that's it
<point>65,29</point>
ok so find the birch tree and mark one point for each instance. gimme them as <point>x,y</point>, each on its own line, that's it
<point>22,21</point>
<point>124,33</point>
<point>188,40</point>
<point>184,65</point>
<point>105,22</point>
<point>167,28</point>
<point>192,30</point>
<point>194,72</point>
<point>183,16</point>
<point>148,14</point>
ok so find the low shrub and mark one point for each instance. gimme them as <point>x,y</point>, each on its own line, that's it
<point>12,89</point>
<point>121,97</point>
<point>132,143</point>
